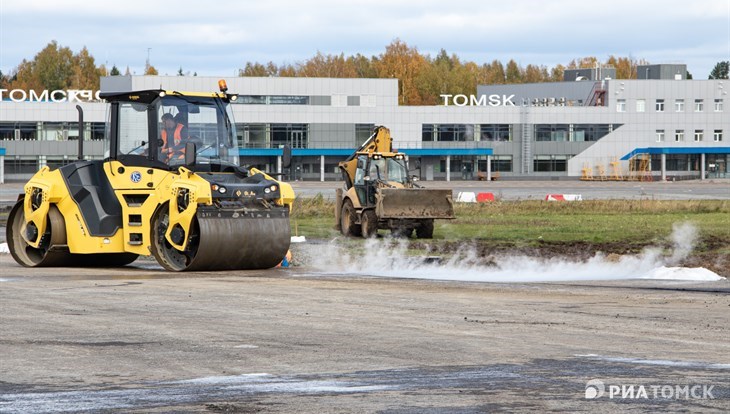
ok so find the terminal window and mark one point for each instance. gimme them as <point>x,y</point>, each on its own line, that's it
<point>296,135</point>
<point>679,105</point>
<point>252,135</point>
<point>673,162</point>
<point>363,132</point>
<point>98,131</point>
<point>498,163</point>
<point>502,163</point>
<point>272,100</point>
<point>550,163</point>
<point>447,132</point>
<point>699,105</point>
<point>17,166</point>
<point>495,132</point>
<point>718,105</point>
<point>18,131</point>
<point>552,132</point>
<point>572,132</point>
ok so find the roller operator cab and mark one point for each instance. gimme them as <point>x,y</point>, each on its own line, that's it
<point>379,193</point>
<point>171,186</point>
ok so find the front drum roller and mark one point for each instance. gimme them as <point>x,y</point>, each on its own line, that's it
<point>258,241</point>
<point>53,251</point>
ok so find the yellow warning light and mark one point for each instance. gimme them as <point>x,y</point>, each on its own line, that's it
<point>222,85</point>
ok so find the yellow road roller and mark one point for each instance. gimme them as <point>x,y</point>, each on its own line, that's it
<point>170,186</point>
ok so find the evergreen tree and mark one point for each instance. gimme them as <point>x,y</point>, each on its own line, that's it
<point>720,71</point>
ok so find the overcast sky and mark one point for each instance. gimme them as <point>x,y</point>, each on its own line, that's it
<point>217,37</point>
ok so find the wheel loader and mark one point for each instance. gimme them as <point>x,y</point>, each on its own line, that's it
<point>178,195</point>
<point>379,193</point>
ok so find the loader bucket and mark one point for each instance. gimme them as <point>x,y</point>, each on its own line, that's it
<point>414,203</point>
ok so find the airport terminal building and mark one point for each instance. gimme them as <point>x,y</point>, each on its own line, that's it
<point>588,124</point>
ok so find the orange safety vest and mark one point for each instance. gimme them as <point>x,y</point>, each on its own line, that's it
<point>177,137</point>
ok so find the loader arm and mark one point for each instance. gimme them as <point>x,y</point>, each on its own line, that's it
<point>379,142</point>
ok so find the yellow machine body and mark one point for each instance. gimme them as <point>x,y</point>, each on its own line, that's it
<point>380,194</point>
<point>107,213</point>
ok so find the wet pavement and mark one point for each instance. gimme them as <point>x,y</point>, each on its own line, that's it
<point>139,339</point>
<point>540,379</point>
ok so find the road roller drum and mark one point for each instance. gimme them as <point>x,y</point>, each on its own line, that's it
<point>172,188</point>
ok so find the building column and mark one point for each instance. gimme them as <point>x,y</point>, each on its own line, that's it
<point>448,168</point>
<point>664,166</point>
<point>702,166</point>
<point>278,164</point>
<point>2,169</point>
<point>489,168</point>
<point>321,168</point>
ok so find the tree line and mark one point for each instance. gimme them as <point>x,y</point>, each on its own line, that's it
<point>422,77</point>
<point>57,67</point>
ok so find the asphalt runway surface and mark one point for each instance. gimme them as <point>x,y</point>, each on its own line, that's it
<point>718,189</point>
<point>138,339</point>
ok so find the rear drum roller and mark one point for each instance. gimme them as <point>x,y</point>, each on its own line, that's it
<point>348,217</point>
<point>53,251</point>
<point>29,256</point>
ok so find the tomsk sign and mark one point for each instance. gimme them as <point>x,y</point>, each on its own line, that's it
<point>71,95</point>
<point>473,100</point>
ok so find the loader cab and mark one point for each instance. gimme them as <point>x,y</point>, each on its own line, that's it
<point>153,129</point>
<point>374,170</point>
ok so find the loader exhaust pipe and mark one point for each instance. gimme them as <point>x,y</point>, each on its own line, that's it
<point>81,132</point>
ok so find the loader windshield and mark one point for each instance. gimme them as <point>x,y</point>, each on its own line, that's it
<point>388,169</point>
<point>397,170</point>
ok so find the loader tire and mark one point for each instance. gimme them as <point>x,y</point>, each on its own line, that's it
<point>348,219</point>
<point>369,224</point>
<point>425,230</point>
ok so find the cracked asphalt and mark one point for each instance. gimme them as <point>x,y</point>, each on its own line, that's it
<point>139,339</point>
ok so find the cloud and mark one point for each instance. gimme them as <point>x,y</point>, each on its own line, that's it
<point>220,36</point>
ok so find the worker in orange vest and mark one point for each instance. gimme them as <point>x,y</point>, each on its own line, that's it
<point>173,148</point>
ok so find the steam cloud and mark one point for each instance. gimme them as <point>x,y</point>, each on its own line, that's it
<point>390,258</point>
